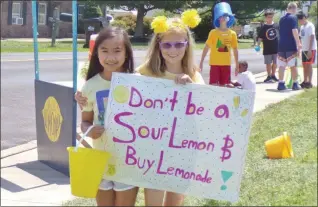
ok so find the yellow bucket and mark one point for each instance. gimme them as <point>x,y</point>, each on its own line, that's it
<point>279,147</point>
<point>87,167</point>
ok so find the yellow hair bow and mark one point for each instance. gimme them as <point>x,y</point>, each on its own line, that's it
<point>189,18</point>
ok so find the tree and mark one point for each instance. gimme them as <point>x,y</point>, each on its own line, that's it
<point>91,10</point>
<point>143,7</point>
<point>313,16</point>
<point>247,10</point>
<point>313,11</point>
<point>243,10</point>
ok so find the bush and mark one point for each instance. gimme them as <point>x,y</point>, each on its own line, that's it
<point>128,22</point>
<point>147,26</point>
<point>164,13</point>
<point>84,70</point>
<point>201,32</point>
<point>120,23</point>
<point>313,16</point>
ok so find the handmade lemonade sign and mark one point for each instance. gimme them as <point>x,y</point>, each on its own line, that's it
<point>191,139</point>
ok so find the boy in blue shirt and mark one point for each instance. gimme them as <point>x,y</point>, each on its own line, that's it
<point>289,46</point>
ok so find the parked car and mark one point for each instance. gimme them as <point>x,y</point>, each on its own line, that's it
<point>67,17</point>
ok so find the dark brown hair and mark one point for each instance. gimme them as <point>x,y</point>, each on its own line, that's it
<point>269,12</point>
<point>301,15</point>
<point>94,65</point>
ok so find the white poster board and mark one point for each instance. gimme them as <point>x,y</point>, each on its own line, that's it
<point>191,139</point>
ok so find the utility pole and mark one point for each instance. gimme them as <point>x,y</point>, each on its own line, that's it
<point>55,26</point>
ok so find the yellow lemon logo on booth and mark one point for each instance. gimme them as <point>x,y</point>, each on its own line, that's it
<point>52,118</point>
<point>121,94</point>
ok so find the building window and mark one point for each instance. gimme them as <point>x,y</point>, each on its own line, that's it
<point>80,10</point>
<point>42,14</point>
<point>17,13</point>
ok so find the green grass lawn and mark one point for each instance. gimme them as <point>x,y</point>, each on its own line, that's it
<point>11,46</point>
<point>284,182</point>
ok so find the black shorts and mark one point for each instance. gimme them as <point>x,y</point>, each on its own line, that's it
<point>306,60</point>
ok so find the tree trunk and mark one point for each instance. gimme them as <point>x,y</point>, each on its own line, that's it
<point>139,31</point>
<point>212,19</point>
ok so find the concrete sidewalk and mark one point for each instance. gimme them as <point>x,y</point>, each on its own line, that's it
<point>27,182</point>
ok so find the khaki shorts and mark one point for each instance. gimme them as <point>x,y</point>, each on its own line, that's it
<point>269,59</point>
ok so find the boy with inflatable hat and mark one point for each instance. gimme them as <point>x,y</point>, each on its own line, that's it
<point>220,43</point>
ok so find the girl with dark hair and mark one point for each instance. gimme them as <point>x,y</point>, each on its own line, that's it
<point>169,56</point>
<point>112,53</point>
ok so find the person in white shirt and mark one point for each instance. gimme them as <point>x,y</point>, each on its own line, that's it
<point>245,79</point>
<point>309,47</point>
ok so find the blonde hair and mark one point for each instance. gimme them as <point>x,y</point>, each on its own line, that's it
<point>292,5</point>
<point>154,59</point>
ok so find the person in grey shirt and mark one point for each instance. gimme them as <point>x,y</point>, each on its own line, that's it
<point>309,48</point>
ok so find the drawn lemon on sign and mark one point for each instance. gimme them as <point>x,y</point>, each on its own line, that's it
<point>111,170</point>
<point>121,94</point>
<point>236,101</point>
<point>52,118</point>
<point>244,112</point>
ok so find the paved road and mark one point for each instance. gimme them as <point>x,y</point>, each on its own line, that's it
<point>17,87</point>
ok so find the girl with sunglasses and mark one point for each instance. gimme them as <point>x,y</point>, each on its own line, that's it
<point>170,56</point>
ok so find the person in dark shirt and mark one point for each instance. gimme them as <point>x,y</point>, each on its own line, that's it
<point>289,46</point>
<point>268,34</point>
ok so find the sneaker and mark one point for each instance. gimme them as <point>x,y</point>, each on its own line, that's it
<point>303,84</point>
<point>268,79</point>
<point>308,85</point>
<point>281,86</point>
<point>274,78</point>
<point>296,86</point>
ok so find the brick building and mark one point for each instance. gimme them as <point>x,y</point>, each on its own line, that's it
<point>16,18</point>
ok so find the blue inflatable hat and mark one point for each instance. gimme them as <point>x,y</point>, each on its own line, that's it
<point>223,9</point>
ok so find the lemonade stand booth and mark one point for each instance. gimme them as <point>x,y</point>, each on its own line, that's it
<point>55,107</point>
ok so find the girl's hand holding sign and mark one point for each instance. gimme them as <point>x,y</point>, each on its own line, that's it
<point>96,132</point>
<point>183,79</point>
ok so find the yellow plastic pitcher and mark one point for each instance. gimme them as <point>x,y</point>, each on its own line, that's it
<point>87,167</point>
<point>279,147</point>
